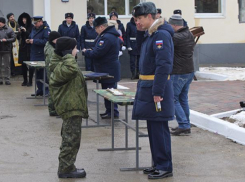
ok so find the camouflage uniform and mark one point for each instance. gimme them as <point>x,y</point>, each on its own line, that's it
<point>48,51</point>
<point>69,93</point>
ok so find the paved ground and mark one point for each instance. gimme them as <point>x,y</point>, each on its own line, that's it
<point>30,141</point>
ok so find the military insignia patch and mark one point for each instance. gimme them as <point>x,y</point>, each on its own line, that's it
<point>159,44</point>
<point>101,43</point>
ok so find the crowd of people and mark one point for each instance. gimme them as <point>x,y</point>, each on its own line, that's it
<point>161,56</point>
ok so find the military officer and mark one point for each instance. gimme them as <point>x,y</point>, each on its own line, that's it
<point>88,36</point>
<point>154,98</point>
<point>37,39</point>
<point>131,33</point>
<point>105,55</point>
<point>69,28</point>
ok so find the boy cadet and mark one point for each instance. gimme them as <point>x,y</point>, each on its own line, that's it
<point>105,55</point>
<point>154,98</point>
<point>66,84</point>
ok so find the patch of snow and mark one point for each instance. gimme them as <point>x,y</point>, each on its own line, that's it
<point>240,118</point>
<point>237,73</point>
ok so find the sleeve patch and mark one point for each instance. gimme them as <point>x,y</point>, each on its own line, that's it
<point>159,44</point>
<point>101,43</point>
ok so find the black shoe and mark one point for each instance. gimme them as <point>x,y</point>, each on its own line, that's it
<point>7,83</point>
<point>1,83</point>
<point>37,94</point>
<point>29,84</point>
<point>133,76</point>
<point>103,114</point>
<point>53,114</point>
<point>149,170</point>
<point>24,84</point>
<point>107,116</point>
<point>179,131</point>
<point>78,173</point>
<point>159,174</point>
<point>175,128</point>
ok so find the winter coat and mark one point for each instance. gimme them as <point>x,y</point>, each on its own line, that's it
<point>184,44</point>
<point>131,33</point>
<point>88,32</point>
<point>48,51</point>
<point>105,54</point>
<point>156,59</point>
<point>8,34</point>
<point>24,48</point>
<point>121,27</point>
<point>71,31</point>
<point>40,37</point>
<point>67,87</point>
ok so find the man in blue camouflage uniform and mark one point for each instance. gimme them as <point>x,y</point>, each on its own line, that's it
<point>154,100</point>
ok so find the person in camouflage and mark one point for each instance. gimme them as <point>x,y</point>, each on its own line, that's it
<point>49,51</point>
<point>69,93</point>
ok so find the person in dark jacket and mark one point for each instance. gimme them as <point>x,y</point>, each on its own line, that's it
<point>88,36</point>
<point>69,92</point>
<point>183,73</point>
<point>105,55</point>
<point>131,33</point>
<point>159,12</point>
<point>7,36</point>
<point>24,31</point>
<point>179,12</point>
<point>114,16</point>
<point>69,28</point>
<point>154,97</point>
<point>37,39</point>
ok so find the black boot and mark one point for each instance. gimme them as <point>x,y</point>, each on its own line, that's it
<point>133,76</point>
<point>24,83</point>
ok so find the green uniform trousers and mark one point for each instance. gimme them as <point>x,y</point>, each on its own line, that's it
<point>71,137</point>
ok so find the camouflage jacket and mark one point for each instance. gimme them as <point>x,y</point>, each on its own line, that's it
<point>67,87</point>
<point>48,51</point>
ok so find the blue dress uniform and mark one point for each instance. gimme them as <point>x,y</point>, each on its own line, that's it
<point>131,33</point>
<point>105,55</point>
<point>88,36</point>
<point>156,62</point>
<point>40,37</point>
<point>71,31</point>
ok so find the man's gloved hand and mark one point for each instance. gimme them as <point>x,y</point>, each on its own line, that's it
<point>120,53</point>
<point>130,49</point>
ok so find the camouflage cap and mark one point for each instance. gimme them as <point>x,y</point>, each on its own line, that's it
<point>144,9</point>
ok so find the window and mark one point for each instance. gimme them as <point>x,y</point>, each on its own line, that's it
<point>104,7</point>
<point>209,8</point>
<point>241,11</point>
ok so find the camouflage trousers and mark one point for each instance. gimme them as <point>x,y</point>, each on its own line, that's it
<point>51,108</point>
<point>71,137</point>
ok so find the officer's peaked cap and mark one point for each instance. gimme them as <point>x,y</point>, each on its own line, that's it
<point>144,8</point>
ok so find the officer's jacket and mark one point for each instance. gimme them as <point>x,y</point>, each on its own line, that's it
<point>8,34</point>
<point>156,59</point>
<point>67,87</point>
<point>88,34</point>
<point>40,37</point>
<point>105,54</point>
<point>71,31</point>
<point>131,33</point>
<point>121,27</point>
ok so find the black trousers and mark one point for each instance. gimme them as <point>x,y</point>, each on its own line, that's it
<point>160,144</point>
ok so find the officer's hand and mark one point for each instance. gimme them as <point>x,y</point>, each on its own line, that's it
<point>157,99</point>
<point>123,48</point>
<point>31,41</point>
<point>84,50</point>
<point>130,49</point>
<point>4,40</point>
<point>27,41</point>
